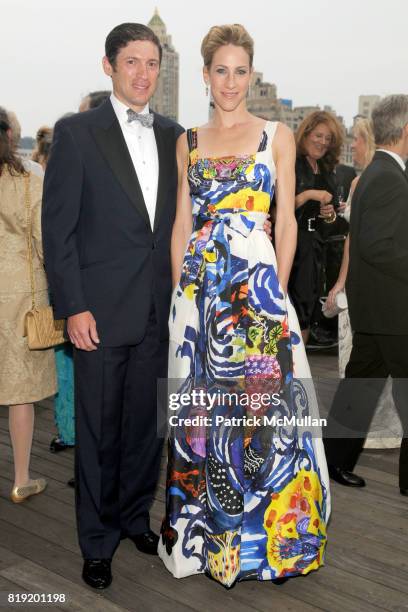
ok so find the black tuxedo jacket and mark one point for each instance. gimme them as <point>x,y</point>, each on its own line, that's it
<point>100,252</point>
<point>377,281</point>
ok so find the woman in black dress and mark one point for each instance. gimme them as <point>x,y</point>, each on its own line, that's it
<point>319,140</point>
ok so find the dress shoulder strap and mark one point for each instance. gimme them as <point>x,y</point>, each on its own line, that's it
<point>270,129</point>
<point>192,139</point>
<point>267,135</point>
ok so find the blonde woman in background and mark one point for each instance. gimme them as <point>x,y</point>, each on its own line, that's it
<point>44,141</point>
<point>25,376</point>
<point>386,429</point>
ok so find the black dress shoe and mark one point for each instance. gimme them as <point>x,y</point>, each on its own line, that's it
<point>97,573</point>
<point>345,478</point>
<point>404,492</point>
<point>57,445</point>
<point>71,483</point>
<point>146,542</point>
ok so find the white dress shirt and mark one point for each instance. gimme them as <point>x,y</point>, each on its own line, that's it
<point>395,156</point>
<point>142,146</point>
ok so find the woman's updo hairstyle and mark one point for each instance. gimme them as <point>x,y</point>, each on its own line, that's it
<point>219,36</point>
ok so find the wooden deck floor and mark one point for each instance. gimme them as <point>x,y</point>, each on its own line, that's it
<point>366,565</point>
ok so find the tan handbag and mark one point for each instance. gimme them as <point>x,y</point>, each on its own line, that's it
<point>41,329</point>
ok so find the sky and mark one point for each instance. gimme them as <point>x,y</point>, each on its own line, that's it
<point>316,51</point>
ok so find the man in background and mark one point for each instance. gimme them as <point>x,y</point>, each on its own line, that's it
<point>377,292</point>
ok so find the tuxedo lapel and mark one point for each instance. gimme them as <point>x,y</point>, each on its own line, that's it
<point>112,144</point>
<point>162,144</point>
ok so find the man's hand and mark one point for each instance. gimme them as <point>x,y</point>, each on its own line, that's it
<point>268,227</point>
<point>82,331</point>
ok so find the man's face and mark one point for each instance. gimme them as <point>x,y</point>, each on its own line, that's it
<point>135,73</point>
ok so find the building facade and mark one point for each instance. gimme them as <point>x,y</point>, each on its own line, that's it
<point>166,97</point>
<point>366,105</point>
<point>262,98</point>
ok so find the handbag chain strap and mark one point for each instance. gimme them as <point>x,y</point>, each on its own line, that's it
<point>29,240</point>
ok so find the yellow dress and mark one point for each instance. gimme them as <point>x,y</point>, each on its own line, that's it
<point>25,376</point>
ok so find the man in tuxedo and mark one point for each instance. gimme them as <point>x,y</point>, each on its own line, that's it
<point>108,211</point>
<point>377,291</point>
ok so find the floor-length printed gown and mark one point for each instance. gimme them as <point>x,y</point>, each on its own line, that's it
<point>249,502</point>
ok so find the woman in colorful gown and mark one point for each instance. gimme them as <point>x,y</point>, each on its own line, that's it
<point>249,501</point>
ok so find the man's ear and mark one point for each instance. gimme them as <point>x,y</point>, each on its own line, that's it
<point>107,66</point>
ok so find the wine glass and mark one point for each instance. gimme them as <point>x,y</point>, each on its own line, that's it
<point>340,197</point>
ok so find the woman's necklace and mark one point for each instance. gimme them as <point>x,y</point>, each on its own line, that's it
<point>314,165</point>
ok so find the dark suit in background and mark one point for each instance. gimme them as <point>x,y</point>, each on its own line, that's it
<point>377,292</point>
<point>101,255</point>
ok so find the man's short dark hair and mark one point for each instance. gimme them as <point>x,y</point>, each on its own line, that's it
<point>125,33</point>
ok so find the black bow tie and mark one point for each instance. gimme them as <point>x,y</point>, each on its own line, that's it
<point>144,119</point>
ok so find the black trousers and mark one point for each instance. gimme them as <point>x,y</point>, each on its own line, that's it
<point>373,358</point>
<point>118,450</point>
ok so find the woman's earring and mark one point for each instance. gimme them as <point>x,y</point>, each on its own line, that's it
<point>206,90</point>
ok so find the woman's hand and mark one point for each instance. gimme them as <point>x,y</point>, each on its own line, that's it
<point>284,288</point>
<point>341,208</point>
<point>268,227</point>
<point>331,298</point>
<point>327,210</point>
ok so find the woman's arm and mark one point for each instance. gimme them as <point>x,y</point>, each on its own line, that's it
<point>183,222</point>
<point>341,281</point>
<point>305,196</point>
<point>284,153</point>
<point>36,185</point>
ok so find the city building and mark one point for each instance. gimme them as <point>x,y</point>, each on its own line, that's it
<point>298,113</point>
<point>165,99</point>
<point>366,105</point>
<point>262,98</point>
<point>346,154</point>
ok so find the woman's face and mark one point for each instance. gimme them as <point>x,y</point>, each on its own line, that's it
<point>359,149</point>
<point>228,76</point>
<point>317,142</point>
